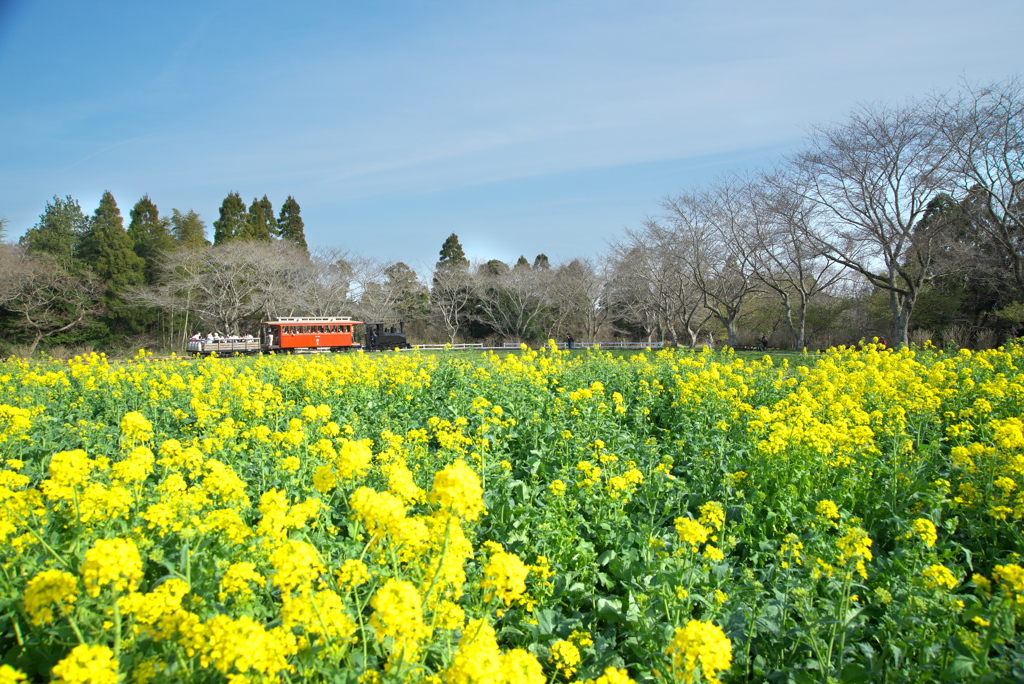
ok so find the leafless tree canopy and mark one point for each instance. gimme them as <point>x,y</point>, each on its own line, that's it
<point>873,177</point>
<point>984,129</point>
<point>46,297</point>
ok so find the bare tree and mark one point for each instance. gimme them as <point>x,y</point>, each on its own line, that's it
<point>632,292</point>
<point>984,128</point>
<point>653,284</point>
<point>511,302</point>
<point>784,259</point>
<point>47,298</point>
<point>873,178</point>
<point>227,285</point>
<point>328,277</point>
<point>450,296</point>
<point>716,228</point>
<point>576,295</point>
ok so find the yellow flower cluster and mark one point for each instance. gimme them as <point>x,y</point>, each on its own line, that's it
<point>87,665</point>
<point>700,648</point>
<point>937,576</point>
<point>48,590</point>
<point>115,562</point>
<point>505,577</point>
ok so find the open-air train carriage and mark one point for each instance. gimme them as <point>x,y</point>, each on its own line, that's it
<point>224,347</point>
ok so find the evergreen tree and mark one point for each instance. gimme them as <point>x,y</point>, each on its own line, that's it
<point>542,262</point>
<point>150,235</point>
<point>521,262</point>
<point>261,219</point>
<point>108,250</point>
<point>233,223</point>
<point>61,226</point>
<point>290,226</point>
<point>411,298</point>
<point>188,229</point>
<point>452,255</point>
<point>493,268</point>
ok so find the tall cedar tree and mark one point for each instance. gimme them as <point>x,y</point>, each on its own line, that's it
<point>290,226</point>
<point>107,249</point>
<point>188,230</point>
<point>150,235</point>
<point>61,227</point>
<point>233,223</point>
<point>261,219</point>
<point>452,255</point>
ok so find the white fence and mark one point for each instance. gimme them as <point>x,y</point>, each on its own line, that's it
<point>602,345</point>
<point>432,347</point>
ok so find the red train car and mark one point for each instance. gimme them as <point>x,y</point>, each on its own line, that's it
<point>308,334</point>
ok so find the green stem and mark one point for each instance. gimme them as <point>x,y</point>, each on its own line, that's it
<point>74,628</point>
<point>117,628</point>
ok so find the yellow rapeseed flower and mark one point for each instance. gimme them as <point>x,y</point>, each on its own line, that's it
<point>87,665</point>
<point>700,647</point>
<point>48,590</point>
<point>457,489</point>
<point>114,562</point>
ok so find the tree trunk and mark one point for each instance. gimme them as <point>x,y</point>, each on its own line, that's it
<point>731,332</point>
<point>901,306</point>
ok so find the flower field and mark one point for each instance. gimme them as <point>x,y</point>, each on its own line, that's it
<point>536,516</point>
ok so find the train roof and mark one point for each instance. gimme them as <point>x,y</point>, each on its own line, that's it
<point>303,320</point>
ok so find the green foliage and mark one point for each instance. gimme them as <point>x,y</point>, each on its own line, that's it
<point>108,250</point>
<point>188,230</point>
<point>290,226</point>
<point>150,234</point>
<point>61,226</point>
<point>494,268</point>
<point>262,224</point>
<point>233,223</point>
<point>412,300</point>
<point>110,254</point>
<point>452,254</point>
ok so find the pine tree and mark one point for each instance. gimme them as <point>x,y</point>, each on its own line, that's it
<point>290,226</point>
<point>60,229</point>
<point>521,263</point>
<point>542,262</point>
<point>452,255</point>
<point>108,250</point>
<point>261,219</point>
<point>233,223</point>
<point>188,229</point>
<point>150,235</point>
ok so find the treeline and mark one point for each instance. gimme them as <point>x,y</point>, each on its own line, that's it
<point>903,221</point>
<point>76,279</point>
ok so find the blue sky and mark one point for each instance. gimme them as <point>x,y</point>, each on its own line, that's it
<point>522,126</point>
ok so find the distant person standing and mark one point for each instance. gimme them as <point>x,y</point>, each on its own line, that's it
<point>762,343</point>
<point>569,341</point>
